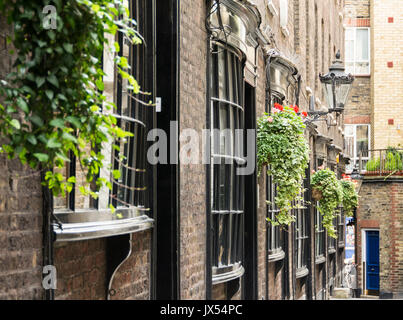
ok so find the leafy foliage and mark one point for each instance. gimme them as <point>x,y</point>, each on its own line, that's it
<point>350,197</point>
<point>282,146</point>
<point>392,162</point>
<point>53,102</point>
<point>332,195</point>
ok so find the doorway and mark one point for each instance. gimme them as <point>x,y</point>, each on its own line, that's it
<point>372,262</point>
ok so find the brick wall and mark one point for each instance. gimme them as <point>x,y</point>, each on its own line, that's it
<point>132,279</point>
<point>386,46</point>
<point>357,9</point>
<point>381,205</point>
<point>20,232</point>
<point>358,110</point>
<point>261,210</point>
<point>193,50</point>
<point>276,272</point>
<point>20,215</point>
<point>81,270</point>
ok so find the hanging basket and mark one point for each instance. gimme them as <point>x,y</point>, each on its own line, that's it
<point>317,194</point>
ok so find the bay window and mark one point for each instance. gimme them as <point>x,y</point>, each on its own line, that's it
<point>227,187</point>
<point>301,235</point>
<point>319,236</point>
<point>130,194</point>
<point>275,233</point>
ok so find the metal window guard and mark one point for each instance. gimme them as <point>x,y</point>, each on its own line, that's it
<point>382,162</point>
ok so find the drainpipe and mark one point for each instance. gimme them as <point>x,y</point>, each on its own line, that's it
<point>47,231</point>
<point>308,198</point>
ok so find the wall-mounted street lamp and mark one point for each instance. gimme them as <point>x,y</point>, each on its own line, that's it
<point>336,85</point>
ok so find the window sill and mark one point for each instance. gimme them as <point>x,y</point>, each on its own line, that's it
<point>94,224</point>
<point>227,273</point>
<point>331,250</point>
<point>303,272</point>
<point>341,245</point>
<point>277,256</point>
<point>320,260</point>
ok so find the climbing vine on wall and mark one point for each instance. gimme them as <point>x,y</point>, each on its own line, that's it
<point>53,102</point>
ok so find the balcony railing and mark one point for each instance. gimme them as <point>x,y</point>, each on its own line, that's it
<point>382,162</point>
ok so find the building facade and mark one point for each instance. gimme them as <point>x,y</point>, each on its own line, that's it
<point>191,230</point>
<point>374,140</point>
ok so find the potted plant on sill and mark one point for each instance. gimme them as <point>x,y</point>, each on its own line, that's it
<point>329,194</point>
<point>282,147</point>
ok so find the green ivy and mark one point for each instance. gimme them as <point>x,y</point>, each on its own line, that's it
<point>53,99</point>
<point>282,146</point>
<point>332,196</point>
<point>350,197</point>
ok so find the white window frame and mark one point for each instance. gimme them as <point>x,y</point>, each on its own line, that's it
<point>284,17</point>
<point>355,156</point>
<point>354,61</point>
<point>272,8</point>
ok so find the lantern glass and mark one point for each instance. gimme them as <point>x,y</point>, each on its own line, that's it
<point>342,92</point>
<point>328,93</point>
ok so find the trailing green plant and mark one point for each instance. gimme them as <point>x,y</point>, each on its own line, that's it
<point>325,181</point>
<point>350,197</point>
<point>281,146</point>
<point>53,101</point>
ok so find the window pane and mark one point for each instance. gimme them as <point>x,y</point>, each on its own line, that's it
<point>362,49</point>
<point>350,146</point>
<point>362,140</point>
<point>349,50</point>
<point>349,34</point>
<point>283,13</point>
<point>227,195</point>
<point>221,74</point>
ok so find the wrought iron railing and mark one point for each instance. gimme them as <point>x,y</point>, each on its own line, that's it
<point>382,162</point>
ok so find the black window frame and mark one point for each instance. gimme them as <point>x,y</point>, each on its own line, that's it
<point>341,231</point>
<point>320,234</point>
<point>302,239</point>
<point>132,189</point>
<point>275,234</point>
<point>227,200</point>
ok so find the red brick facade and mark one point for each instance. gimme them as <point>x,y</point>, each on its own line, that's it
<point>381,205</point>
<point>312,36</point>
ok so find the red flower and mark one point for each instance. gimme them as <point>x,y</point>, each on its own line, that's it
<point>296,109</point>
<point>278,106</point>
<point>305,114</point>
